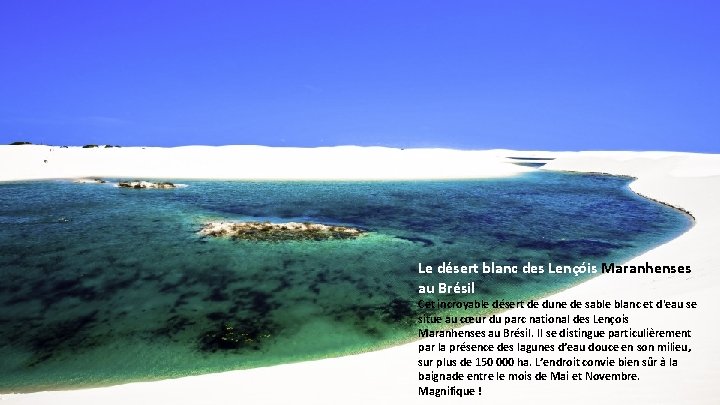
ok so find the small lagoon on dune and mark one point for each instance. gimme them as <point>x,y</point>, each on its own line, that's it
<point>103,285</point>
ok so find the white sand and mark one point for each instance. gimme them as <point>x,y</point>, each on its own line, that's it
<point>690,181</point>
<point>250,162</point>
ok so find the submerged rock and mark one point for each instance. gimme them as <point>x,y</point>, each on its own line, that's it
<point>274,232</point>
<point>145,184</point>
<point>246,334</point>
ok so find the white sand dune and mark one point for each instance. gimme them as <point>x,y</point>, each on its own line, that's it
<point>250,162</point>
<point>689,181</point>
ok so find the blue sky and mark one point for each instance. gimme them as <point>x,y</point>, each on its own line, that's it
<point>558,75</point>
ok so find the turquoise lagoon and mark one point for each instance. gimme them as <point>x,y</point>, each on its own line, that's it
<point>102,285</point>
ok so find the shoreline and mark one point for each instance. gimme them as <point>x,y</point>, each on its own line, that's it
<point>679,180</point>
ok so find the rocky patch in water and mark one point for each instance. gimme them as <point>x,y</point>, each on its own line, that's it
<point>146,184</point>
<point>90,181</point>
<point>276,232</point>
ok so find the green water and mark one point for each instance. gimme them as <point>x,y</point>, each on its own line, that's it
<point>102,285</point>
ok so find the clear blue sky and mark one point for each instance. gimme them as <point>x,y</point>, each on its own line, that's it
<point>559,75</point>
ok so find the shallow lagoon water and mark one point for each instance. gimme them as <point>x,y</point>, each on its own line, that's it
<point>102,285</point>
